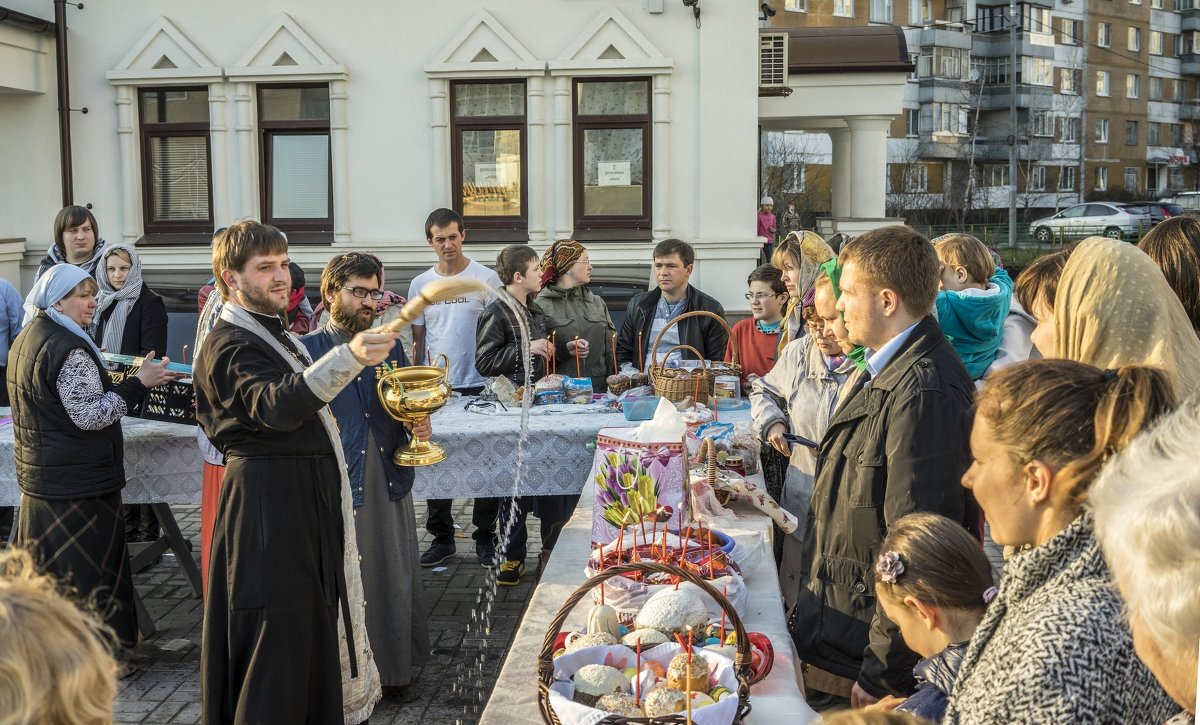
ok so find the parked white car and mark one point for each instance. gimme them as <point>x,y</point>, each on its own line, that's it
<point>1096,218</point>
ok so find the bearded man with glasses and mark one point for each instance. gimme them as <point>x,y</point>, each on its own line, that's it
<point>385,522</point>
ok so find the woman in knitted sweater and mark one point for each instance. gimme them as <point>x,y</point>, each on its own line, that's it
<point>1054,646</point>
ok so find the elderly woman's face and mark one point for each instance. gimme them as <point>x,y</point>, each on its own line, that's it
<point>1177,678</point>
<point>79,305</point>
<point>997,480</point>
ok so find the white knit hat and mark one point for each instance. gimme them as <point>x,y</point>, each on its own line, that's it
<point>767,200</point>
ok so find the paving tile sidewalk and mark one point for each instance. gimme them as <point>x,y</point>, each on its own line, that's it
<point>166,688</point>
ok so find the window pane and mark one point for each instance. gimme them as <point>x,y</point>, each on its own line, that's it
<point>613,98</point>
<point>295,104</point>
<point>300,176</point>
<point>491,173</point>
<point>489,99</point>
<point>175,106</point>
<point>179,177</point>
<point>613,171</point>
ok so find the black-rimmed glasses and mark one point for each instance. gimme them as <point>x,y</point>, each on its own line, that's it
<point>362,293</point>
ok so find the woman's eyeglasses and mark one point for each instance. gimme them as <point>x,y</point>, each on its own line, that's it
<point>760,296</point>
<point>362,293</point>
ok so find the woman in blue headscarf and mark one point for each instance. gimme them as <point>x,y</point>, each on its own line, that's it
<point>68,446</point>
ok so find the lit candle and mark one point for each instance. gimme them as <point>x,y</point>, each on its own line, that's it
<point>688,679</point>
<point>614,354</point>
<point>637,676</point>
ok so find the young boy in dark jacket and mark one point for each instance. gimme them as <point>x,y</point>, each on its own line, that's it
<point>498,353</point>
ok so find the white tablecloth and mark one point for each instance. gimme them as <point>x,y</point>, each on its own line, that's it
<point>777,699</point>
<point>482,452</point>
<point>162,463</point>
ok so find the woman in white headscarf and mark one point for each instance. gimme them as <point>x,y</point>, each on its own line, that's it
<point>130,320</point>
<point>69,448</point>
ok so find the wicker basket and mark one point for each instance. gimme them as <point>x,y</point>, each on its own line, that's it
<point>545,663</point>
<point>675,384</point>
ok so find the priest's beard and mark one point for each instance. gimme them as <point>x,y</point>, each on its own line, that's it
<point>259,300</point>
<point>353,318</point>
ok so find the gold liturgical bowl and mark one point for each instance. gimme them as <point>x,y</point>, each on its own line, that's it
<point>411,395</point>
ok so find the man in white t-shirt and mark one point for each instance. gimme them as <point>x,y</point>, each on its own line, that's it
<point>449,328</point>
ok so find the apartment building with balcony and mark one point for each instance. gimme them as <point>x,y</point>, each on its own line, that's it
<point>1105,99</point>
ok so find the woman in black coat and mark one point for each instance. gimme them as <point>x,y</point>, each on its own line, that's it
<point>130,320</point>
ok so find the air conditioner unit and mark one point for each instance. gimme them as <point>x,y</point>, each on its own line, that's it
<point>772,60</point>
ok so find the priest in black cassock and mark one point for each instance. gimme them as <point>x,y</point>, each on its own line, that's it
<point>284,638</point>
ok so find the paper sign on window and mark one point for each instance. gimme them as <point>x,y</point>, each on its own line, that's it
<point>489,175</point>
<point>613,173</point>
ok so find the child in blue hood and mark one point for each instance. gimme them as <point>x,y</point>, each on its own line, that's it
<point>974,300</point>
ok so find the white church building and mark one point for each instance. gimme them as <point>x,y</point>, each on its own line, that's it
<point>616,123</point>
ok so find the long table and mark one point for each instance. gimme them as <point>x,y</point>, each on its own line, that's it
<point>163,461</point>
<point>163,466</point>
<point>777,699</point>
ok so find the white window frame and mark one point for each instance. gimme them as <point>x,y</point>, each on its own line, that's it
<point>1103,83</point>
<point>1103,34</point>
<point>1067,177</point>
<point>1069,129</point>
<point>1068,83</point>
<point>920,12</point>
<point>1126,174</point>
<point>1101,131</point>
<point>1069,31</point>
<point>1041,123</point>
<point>1133,85</point>
<point>1153,133</point>
<point>1154,89</point>
<point>1039,72</point>
<point>1100,178</point>
<point>881,11</point>
<point>912,122</point>
<point>1133,40</point>
<point>916,178</point>
<point>1156,4</point>
<point>1037,178</point>
<point>795,6</point>
<point>843,8</point>
<point>1137,133</point>
<point>1156,42</point>
<point>995,175</point>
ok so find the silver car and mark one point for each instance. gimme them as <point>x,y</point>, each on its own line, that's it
<point>1097,218</point>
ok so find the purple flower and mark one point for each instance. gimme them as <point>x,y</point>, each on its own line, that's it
<point>890,567</point>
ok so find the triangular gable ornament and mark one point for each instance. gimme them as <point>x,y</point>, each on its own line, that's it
<point>285,50</point>
<point>164,54</point>
<point>482,48</point>
<point>611,43</point>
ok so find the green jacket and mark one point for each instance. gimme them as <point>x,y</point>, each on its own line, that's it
<point>578,311</point>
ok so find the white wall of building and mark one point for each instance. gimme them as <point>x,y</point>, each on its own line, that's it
<point>390,161</point>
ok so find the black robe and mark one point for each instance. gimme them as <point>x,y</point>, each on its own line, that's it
<point>270,649</point>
